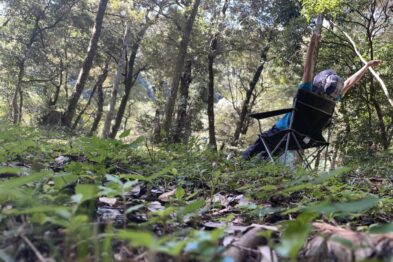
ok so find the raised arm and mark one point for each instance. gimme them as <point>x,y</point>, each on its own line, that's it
<point>352,80</point>
<point>308,73</point>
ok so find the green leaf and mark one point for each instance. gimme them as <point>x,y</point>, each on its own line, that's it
<point>171,247</point>
<point>125,133</point>
<point>10,170</point>
<point>344,208</point>
<point>180,192</point>
<point>114,179</point>
<point>64,179</point>
<point>335,173</point>
<point>343,241</point>
<point>295,234</point>
<point>314,7</point>
<point>21,181</point>
<point>268,187</point>
<point>381,229</point>
<point>192,207</point>
<point>139,238</point>
<point>37,209</point>
<point>136,143</point>
<point>87,191</point>
<point>134,208</point>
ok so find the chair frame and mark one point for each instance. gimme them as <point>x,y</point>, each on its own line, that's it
<point>294,134</point>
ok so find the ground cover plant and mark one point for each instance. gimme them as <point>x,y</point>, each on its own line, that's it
<point>83,198</point>
<point>124,125</point>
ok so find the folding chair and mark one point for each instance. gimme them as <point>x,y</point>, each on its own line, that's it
<point>311,114</point>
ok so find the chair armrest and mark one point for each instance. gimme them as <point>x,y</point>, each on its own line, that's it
<point>270,113</point>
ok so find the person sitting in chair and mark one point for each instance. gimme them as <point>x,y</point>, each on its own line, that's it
<point>327,83</point>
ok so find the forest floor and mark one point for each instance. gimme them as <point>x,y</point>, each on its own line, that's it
<point>88,199</point>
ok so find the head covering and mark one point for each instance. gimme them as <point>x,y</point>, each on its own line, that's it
<point>327,82</point>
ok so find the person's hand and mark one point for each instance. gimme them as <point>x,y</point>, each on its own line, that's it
<point>373,63</point>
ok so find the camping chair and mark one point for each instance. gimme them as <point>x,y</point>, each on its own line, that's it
<point>311,114</point>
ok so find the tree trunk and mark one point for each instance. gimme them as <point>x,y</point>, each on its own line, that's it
<point>210,93</point>
<point>53,102</point>
<point>116,81</point>
<point>86,66</point>
<point>170,105</point>
<point>381,124</point>
<point>15,104</point>
<point>129,81</point>
<point>185,82</point>
<point>246,103</point>
<point>100,110</point>
<point>99,83</point>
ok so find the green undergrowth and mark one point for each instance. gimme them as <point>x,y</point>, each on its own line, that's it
<point>86,198</point>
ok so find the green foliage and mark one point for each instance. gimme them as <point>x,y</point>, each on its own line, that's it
<point>312,8</point>
<point>70,199</point>
<point>295,234</point>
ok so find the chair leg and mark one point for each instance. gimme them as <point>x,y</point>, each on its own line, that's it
<point>286,148</point>
<point>316,152</point>
<point>267,149</point>
<point>308,164</point>
<point>304,160</point>
<point>279,144</point>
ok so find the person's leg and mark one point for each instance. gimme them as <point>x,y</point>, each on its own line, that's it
<point>253,150</point>
<point>258,146</point>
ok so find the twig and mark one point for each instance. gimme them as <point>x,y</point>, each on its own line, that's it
<point>35,250</point>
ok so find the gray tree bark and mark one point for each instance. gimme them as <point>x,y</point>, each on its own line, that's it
<point>170,105</point>
<point>178,135</point>
<point>116,81</point>
<point>98,85</point>
<point>86,66</point>
<point>100,110</point>
<point>210,93</point>
<point>129,81</point>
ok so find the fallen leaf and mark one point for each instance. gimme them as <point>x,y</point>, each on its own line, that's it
<point>108,200</point>
<point>62,159</point>
<point>136,190</point>
<point>106,213</point>
<point>154,206</point>
<point>166,196</point>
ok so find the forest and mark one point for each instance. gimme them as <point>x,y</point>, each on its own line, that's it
<point>123,125</point>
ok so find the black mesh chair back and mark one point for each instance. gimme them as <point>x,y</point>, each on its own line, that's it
<point>312,113</point>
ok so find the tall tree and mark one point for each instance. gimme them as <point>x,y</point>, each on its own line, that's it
<point>217,23</point>
<point>185,81</point>
<point>178,69</point>
<point>130,78</point>
<point>86,66</point>
<point>210,91</point>
<point>116,81</point>
<point>100,110</point>
<point>98,86</point>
